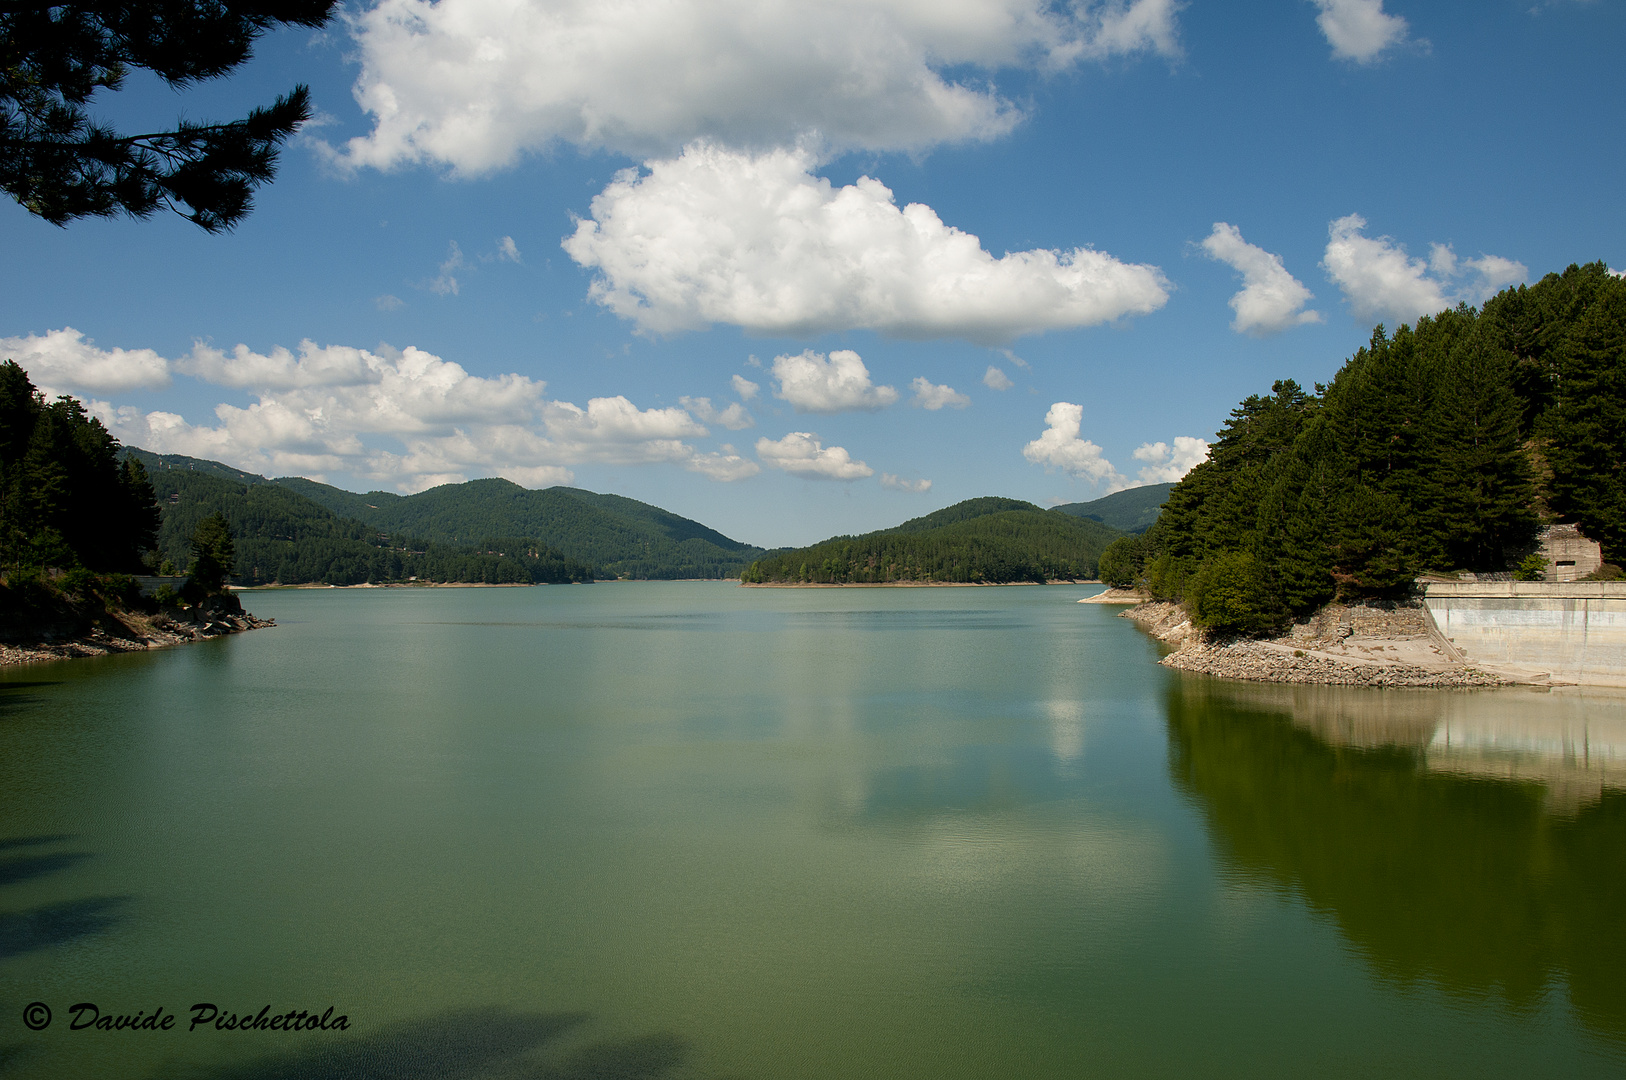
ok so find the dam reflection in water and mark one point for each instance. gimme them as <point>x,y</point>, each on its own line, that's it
<point>1475,840</point>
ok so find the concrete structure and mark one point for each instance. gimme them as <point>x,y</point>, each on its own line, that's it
<point>1570,556</point>
<point>1571,632</point>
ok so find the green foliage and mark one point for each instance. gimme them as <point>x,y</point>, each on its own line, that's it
<point>66,500</point>
<point>979,541</point>
<point>213,557</point>
<point>61,165</point>
<point>1230,594</point>
<point>621,537</point>
<point>280,536</point>
<point>1532,568</point>
<point>1133,510</point>
<point>1421,454</point>
<point>1120,564</point>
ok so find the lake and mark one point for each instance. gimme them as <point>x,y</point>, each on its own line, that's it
<point>672,830</point>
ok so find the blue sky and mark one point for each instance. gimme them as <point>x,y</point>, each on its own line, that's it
<point>1000,246</point>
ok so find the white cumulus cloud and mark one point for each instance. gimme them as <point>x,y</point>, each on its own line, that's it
<point>1166,464</point>
<point>813,384</point>
<point>996,379</point>
<point>803,454</point>
<point>893,482</point>
<point>1060,447</point>
<point>1359,30</point>
<point>758,241</point>
<point>744,387</point>
<point>933,397</point>
<point>64,361</point>
<point>1271,300</point>
<point>475,84</point>
<point>1380,280</point>
<point>406,418</point>
<point>734,417</point>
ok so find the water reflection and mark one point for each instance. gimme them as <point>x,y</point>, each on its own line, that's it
<point>1475,840</point>
<point>471,1045</point>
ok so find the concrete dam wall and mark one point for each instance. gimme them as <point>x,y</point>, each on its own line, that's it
<point>1574,631</point>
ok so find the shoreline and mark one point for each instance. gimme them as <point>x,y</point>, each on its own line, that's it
<point>1340,645</point>
<point>132,632</point>
<point>903,584</point>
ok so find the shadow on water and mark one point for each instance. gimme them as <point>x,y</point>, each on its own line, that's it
<point>475,1044</point>
<point>22,868</point>
<point>1483,885</point>
<point>58,924</point>
<point>12,697</point>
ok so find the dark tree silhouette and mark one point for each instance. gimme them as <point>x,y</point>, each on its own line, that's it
<point>61,165</point>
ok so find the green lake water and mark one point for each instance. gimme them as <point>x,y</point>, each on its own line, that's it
<point>671,830</point>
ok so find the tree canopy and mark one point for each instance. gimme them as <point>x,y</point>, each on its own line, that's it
<point>62,165</point>
<point>1441,447</point>
<point>66,500</point>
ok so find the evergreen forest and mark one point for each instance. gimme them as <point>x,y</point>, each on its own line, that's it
<point>989,541</point>
<point>620,537</point>
<point>283,537</point>
<point>1442,447</point>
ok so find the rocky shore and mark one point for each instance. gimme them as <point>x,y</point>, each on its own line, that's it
<point>131,632</point>
<point>1340,645</point>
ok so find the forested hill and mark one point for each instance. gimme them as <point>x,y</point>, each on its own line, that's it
<point>280,536</point>
<point>621,537</point>
<point>987,541</point>
<point>617,536</point>
<point>1444,446</point>
<point>1132,511</point>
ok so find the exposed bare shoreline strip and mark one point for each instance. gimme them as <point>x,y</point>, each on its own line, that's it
<point>1338,645</point>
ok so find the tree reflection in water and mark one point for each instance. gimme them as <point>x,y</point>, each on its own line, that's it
<point>1476,840</point>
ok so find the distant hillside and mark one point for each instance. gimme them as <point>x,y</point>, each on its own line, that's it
<point>1132,511</point>
<point>987,540</point>
<point>283,537</point>
<point>621,537</point>
<point>618,536</point>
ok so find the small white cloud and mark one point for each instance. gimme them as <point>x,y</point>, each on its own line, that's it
<point>1359,30</point>
<point>389,302</point>
<point>507,250</point>
<point>1060,447</point>
<point>813,384</point>
<point>744,387</point>
<point>893,482</point>
<point>1618,273</point>
<point>734,417</point>
<point>758,241</point>
<point>996,379</point>
<point>60,361</point>
<point>1013,358</point>
<point>726,466</point>
<point>801,453</point>
<point>1166,465</point>
<point>930,397</point>
<point>1271,300</point>
<point>446,284</point>
<point>1380,280</point>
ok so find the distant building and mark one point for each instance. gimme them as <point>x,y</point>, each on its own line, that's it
<point>1570,556</point>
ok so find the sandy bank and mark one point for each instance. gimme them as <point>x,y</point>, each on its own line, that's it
<point>1116,596</point>
<point>1338,645</point>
